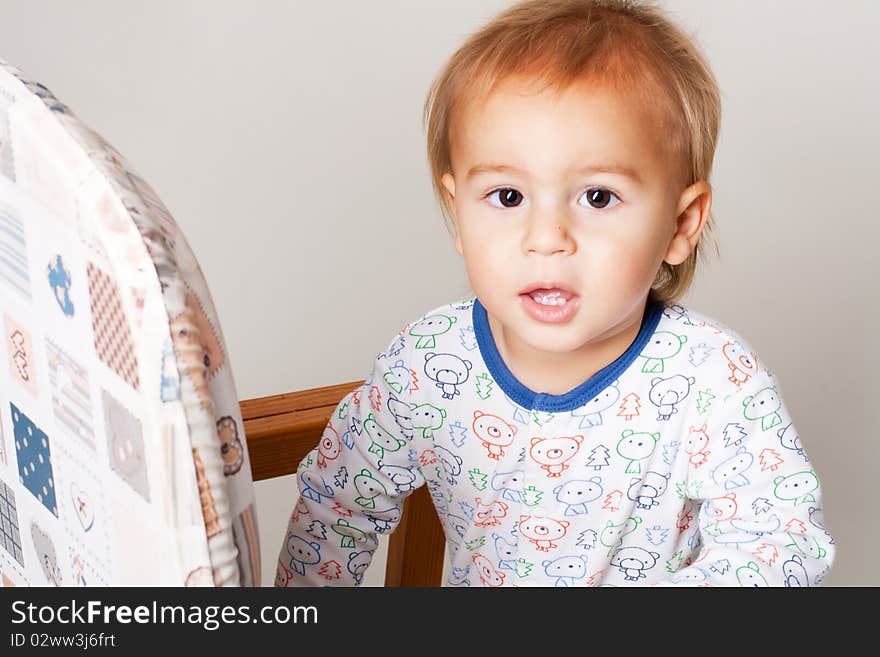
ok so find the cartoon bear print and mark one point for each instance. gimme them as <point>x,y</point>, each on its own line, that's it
<point>795,573</point>
<point>576,494</point>
<point>489,515</point>
<point>400,410</point>
<point>645,491</point>
<point>230,445</point>
<point>789,439</point>
<point>591,412</point>
<point>494,433</point>
<point>427,330</point>
<point>797,487</point>
<point>634,561</point>
<point>368,488</point>
<point>763,405</point>
<point>509,484</point>
<point>488,575</point>
<point>302,553</point>
<point>663,345</point>
<point>357,564</point>
<point>448,372</point>
<point>451,464</point>
<point>381,440</point>
<point>612,535</point>
<point>731,472</point>
<point>283,575</point>
<point>750,576</point>
<point>695,446</point>
<point>313,487</point>
<point>552,453</point>
<point>403,478</point>
<point>692,576</point>
<point>542,531</point>
<point>384,521</point>
<point>329,447</point>
<point>635,447</point>
<point>742,364</point>
<point>506,552</point>
<point>566,569</point>
<point>666,393</point>
<point>428,418</point>
<point>808,546</point>
<point>398,377</point>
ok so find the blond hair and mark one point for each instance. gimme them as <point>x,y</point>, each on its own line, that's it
<point>625,45</point>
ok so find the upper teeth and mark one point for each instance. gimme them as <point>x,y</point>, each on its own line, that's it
<point>552,299</point>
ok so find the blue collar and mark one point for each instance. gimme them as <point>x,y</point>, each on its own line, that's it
<point>576,397</point>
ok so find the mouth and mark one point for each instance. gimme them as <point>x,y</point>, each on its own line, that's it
<point>549,293</point>
<point>549,301</point>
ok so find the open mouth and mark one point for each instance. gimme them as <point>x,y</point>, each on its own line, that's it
<point>549,301</point>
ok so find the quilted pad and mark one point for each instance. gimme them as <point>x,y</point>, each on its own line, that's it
<point>123,459</point>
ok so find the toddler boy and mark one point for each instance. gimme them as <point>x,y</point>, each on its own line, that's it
<point>574,423</point>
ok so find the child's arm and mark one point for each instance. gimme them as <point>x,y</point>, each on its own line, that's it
<point>759,498</point>
<point>353,483</point>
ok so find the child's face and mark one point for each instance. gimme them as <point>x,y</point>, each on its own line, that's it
<point>601,234</point>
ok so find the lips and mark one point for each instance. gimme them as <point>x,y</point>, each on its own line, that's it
<point>548,287</point>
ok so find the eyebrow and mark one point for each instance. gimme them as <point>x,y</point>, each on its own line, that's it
<point>619,169</point>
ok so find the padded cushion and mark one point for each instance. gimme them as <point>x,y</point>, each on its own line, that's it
<point>123,459</point>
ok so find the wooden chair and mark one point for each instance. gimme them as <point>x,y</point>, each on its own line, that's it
<point>282,429</point>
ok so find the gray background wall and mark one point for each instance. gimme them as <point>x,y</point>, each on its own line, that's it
<point>285,137</point>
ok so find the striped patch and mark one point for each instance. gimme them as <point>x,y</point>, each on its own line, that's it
<point>70,394</point>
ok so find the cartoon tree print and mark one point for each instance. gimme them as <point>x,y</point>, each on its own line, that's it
<point>598,457</point>
<point>720,567</point>
<point>795,526</point>
<point>734,434</point>
<point>317,529</point>
<point>657,534</point>
<point>457,433</point>
<point>532,496</point>
<point>766,553</point>
<point>478,479</point>
<point>675,559</point>
<point>595,577</point>
<point>669,451</point>
<point>630,406</point>
<point>468,338</point>
<point>475,544</point>
<point>330,570</point>
<point>587,539</point>
<point>699,354</point>
<point>704,400</point>
<point>523,567</point>
<point>541,417</point>
<point>770,459</point>
<point>484,385</point>
<point>761,505</point>
<point>612,500</point>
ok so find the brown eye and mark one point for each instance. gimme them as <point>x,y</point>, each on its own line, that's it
<point>508,196</point>
<point>599,197</point>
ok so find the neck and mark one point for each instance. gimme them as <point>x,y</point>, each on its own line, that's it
<point>557,373</point>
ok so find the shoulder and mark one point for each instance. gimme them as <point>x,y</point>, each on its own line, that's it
<point>701,328</point>
<point>431,324</point>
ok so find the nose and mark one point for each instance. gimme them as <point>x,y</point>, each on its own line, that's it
<point>548,233</point>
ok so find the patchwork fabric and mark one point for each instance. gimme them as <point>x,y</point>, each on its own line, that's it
<point>112,336</point>
<point>122,455</point>
<point>10,537</point>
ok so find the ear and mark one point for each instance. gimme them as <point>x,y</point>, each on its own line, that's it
<point>692,212</point>
<point>448,183</point>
